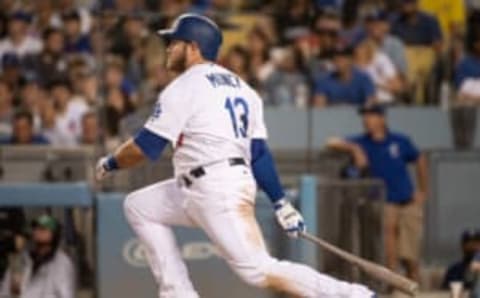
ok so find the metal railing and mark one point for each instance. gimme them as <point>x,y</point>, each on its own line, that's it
<point>350,215</point>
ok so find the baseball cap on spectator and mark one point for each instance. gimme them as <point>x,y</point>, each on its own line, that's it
<point>46,222</point>
<point>372,109</point>
<point>470,234</point>
<point>20,15</point>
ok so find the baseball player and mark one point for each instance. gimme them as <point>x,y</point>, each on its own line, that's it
<point>215,122</point>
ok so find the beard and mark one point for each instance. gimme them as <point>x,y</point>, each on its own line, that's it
<point>177,64</point>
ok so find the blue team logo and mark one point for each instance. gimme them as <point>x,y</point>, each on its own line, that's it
<point>394,150</point>
<point>157,111</point>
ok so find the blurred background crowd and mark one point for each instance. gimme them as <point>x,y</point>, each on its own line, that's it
<point>84,72</point>
<point>72,71</point>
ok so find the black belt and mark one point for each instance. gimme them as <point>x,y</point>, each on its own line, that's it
<point>200,171</point>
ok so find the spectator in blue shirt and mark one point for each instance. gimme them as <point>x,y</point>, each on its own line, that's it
<point>467,74</point>
<point>386,155</point>
<point>458,271</point>
<point>346,84</point>
<point>417,28</point>
<point>23,131</point>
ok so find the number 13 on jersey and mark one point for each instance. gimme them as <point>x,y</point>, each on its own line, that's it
<point>238,110</point>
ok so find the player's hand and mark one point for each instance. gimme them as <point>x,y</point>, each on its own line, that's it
<point>103,168</point>
<point>289,218</point>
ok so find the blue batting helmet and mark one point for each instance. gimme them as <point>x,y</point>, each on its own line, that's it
<point>199,29</point>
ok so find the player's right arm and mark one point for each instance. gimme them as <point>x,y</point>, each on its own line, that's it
<point>132,153</point>
<point>164,126</point>
<point>126,156</point>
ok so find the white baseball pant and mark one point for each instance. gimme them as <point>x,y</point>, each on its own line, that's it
<point>222,204</point>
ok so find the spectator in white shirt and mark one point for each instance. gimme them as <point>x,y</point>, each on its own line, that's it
<point>381,70</point>
<point>377,28</point>
<point>18,40</point>
<point>85,17</point>
<point>467,74</point>
<point>90,129</point>
<point>49,128</point>
<point>69,112</point>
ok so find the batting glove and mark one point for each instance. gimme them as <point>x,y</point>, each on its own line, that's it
<point>289,218</point>
<point>105,165</point>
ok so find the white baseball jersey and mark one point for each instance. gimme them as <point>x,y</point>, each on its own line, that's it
<point>209,114</point>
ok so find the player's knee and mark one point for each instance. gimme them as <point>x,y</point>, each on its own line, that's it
<point>255,274</point>
<point>129,208</point>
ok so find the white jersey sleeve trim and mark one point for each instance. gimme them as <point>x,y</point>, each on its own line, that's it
<point>162,134</point>
<point>259,129</point>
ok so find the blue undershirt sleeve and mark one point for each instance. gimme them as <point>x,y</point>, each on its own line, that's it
<point>264,171</point>
<point>151,144</point>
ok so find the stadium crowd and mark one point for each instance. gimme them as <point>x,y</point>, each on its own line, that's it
<point>71,71</point>
<point>75,72</point>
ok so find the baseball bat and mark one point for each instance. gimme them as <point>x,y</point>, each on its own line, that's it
<point>374,270</point>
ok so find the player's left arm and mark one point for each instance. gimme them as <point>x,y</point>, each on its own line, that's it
<point>133,152</point>
<point>266,176</point>
<point>264,170</point>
